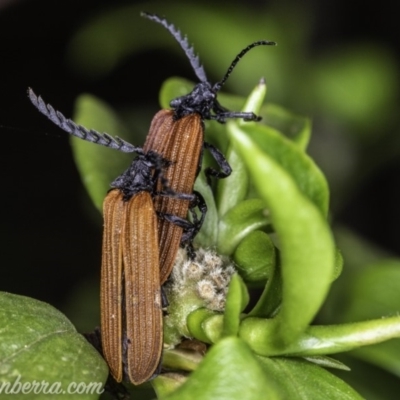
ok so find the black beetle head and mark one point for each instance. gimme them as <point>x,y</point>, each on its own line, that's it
<point>200,100</point>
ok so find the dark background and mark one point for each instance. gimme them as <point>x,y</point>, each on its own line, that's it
<point>49,242</point>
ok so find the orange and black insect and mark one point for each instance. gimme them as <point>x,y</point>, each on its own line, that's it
<point>178,135</point>
<point>131,304</point>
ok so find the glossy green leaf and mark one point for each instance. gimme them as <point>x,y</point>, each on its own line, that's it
<point>98,165</point>
<point>339,262</point>
<point>172,88</point>
<point>213,327</point>
<point>299,165</point>
<point>269,303</point>
<point>207,237</point>
<point>233,189</point>
<point>222,375</point>
<point>254,101</point>
<point>255,257</point>
<point>237,299</point>
<point>237,223</point>
<point>307,248</point>
<point>167,383</point>
<point>38,343</point>
<point>320,340</point>
<point>327,362</point>
<point>195,323</point>
<point>299,379</point>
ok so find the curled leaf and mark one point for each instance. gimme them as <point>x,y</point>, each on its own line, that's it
<point>320,340</point>
<point>307,248</point>
<point>255,257</point>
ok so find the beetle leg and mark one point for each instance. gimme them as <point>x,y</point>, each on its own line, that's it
<point>221,161</point>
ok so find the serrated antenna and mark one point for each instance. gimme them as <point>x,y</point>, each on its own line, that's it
<point>184,43</point>
<point>219,84</point>
<point>80,131</point>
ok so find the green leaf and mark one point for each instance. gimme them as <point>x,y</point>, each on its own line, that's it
<point>320,340</point>
<point>229,371</point>
<point>195,322</point>
<point>38,343</point>
<point>213,327</point>
<point>254,101</point>
<point>181,359</point>
<point>307,248</point>
<point>327,362</point>
<point>237,299</point>
<point>255,257</point>
<point>299,165</point>
<point>98,165</point>
<point>339,261</point>
<point>207,237</point>
<point>172,88</point>
<point>237,223</point>
<point>179,320</point>
<point>167,383</point>
<point>299,379</point>
<point>233,189</point>
<point>269,303</point>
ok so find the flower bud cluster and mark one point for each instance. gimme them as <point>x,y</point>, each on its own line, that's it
<point>208,275</point>
<point>194,284</point>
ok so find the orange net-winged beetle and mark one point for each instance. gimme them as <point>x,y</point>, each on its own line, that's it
<point>131,298</point>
